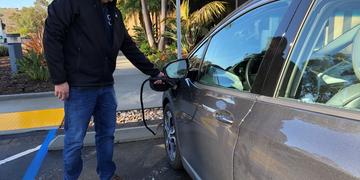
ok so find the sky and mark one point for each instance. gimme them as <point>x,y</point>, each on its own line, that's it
<point>16,3</point>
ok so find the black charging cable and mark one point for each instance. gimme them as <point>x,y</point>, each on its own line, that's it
<point>142,106</point>
<point>164,80</point>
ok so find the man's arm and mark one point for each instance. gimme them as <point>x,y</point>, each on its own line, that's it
<point>58,21</point>
<point>136,57</point>
<point>60,14</point>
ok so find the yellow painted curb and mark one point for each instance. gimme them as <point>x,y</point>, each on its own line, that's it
<point>31,119</point>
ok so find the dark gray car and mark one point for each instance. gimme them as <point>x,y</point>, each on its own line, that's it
<point>273,92</point>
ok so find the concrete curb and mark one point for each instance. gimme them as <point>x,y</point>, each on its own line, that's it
<point>26,95</point>
<point>122,135</point>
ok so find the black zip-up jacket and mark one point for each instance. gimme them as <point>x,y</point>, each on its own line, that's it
<point>77,49</point>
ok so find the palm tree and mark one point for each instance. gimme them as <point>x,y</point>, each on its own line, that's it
<point>147,23</point>
<point>194,25</point>
<point>132,8</point>
<point>145,9</point>
<point>161,45</point>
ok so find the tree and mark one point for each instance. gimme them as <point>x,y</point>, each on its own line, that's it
<point>161,46</point>
<point>143,9</point>
<point>31,19</point>
<point>148,8</point>
<point>132,8</point>
<point>195,24</point>
<point>147,23</point>
<point>129,8</point>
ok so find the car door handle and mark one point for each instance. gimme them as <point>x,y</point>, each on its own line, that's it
<point>224,116</point>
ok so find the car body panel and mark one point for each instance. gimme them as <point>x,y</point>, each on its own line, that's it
<point>295,143</point>
<point>210,142</point>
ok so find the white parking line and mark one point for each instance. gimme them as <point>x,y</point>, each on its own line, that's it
<point>16,156</point>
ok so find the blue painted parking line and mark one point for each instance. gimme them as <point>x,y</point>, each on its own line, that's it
<point>35,165</point>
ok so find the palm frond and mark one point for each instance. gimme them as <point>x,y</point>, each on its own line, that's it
<point>208,13</point>
<point>185,9</point>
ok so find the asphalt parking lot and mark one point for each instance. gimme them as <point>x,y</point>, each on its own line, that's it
<point>135,160</point>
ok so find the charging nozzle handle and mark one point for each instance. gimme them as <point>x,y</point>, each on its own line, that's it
<point>165,79</point>
<point>158,78</point>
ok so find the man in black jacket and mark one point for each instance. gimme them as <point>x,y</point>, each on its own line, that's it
<point>81,41</point>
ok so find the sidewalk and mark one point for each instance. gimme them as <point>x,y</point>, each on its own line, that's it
<point>127,85</point>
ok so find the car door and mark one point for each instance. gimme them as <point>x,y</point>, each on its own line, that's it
<point>310,128</point>
<point>214,105</point>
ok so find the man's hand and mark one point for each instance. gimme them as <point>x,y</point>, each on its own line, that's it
<point>160,75</point>
<point>62,91</point>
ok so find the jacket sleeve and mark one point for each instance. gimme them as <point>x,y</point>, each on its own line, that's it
<point>136,57</point>
<point>60,13</point>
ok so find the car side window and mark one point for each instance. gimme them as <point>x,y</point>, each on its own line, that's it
<point>235,52</point>
<point>325,64</point>
<point>196,58</point>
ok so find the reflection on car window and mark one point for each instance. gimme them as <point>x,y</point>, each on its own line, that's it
<point>325,62</point>
<point>196,58</point>
<point>235,53</point>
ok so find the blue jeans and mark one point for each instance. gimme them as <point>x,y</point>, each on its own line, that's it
<point>79,107</point>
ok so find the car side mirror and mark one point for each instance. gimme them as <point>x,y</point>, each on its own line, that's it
<point>177,69</point>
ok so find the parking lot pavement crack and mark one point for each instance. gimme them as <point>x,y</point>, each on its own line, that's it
<point>10,141</point>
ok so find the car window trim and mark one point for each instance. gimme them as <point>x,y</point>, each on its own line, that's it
<point>312,107</point>
<point>204,43</point>
<point>203,58</point>
<point>200,45</point>
<point>294,43</point>
<point>223,90</point>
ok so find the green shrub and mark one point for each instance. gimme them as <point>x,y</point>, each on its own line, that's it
<point>160,59</point>
<point>4,51</point>
<point>33,65</point>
